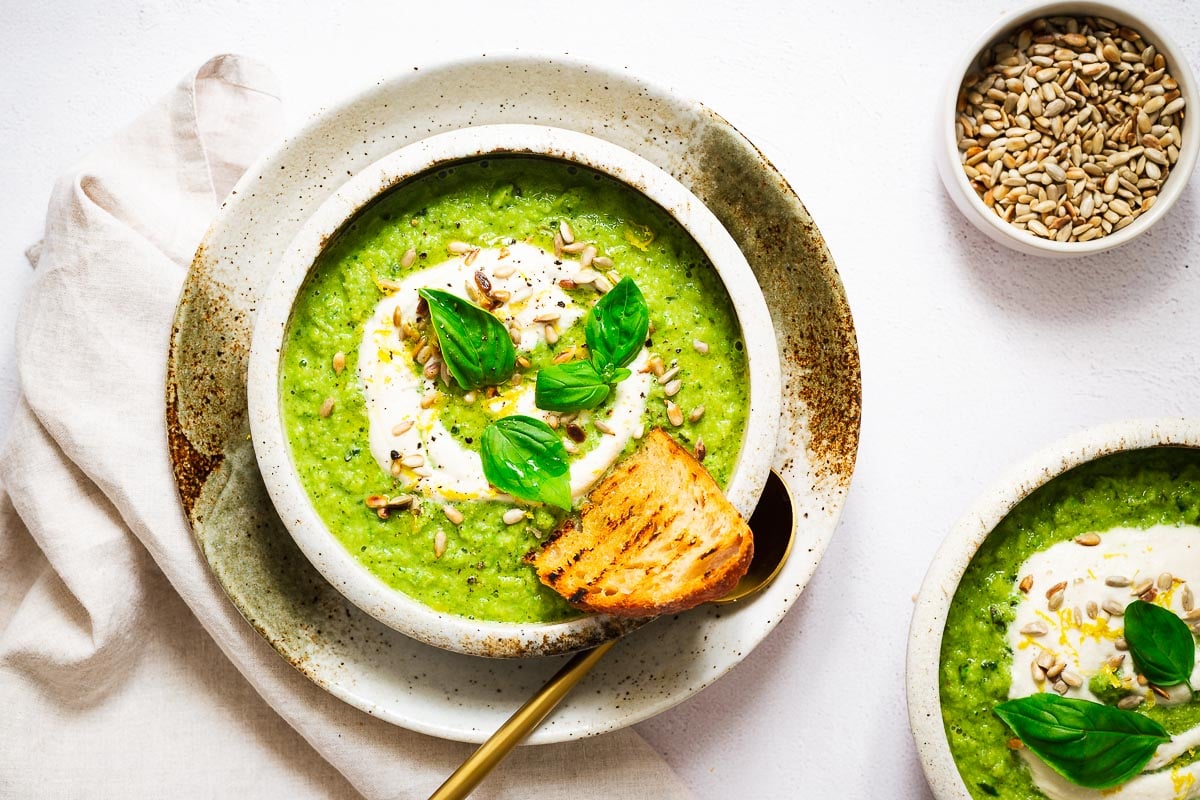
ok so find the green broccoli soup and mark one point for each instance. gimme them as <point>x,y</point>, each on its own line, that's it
<point>477,348</point>
<point>1068,658</point>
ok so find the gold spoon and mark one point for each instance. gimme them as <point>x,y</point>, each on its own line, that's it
<point>774,527</point>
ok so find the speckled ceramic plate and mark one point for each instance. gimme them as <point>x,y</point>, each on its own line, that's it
<point>328,639</point>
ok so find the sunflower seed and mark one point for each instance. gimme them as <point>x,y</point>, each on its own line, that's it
<point>458,248</point>
<point>587,256</point>
<point>326,407</point>
<point>1119,581</point>
<point>701,449</point>
<point>400,501</point>
<point>409,258</point>
<point>453,514</point>
<point>603,427</point>
<point>376,500</point>
<point>513,516</point>
<point>603,262</point>
<point>672,388</point>
<point>439,544</point>
<point>1036,628</point>
<point>1088,539</point>
<point>674,415</point>
<point>695,414</point>
<point>1056,588</point>
<point>1189,601</point>
<point>339,362</point>
<point>1056,600</point>
<point>564,230</point>
<point>1130,702</point>
<point>575,248</point>
<point>1173,107</point>
<point>1113,608</point>
<point>551,334</point>
<point>1026,584</point>
<point>1056,669</point>
<point>700,347</point>
<point>1165,581</point>
<point>1141,587</point>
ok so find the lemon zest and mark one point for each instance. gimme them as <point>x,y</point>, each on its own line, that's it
<point>640,236</point>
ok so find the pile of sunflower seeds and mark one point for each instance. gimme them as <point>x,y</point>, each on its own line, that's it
<point>1071,127</point>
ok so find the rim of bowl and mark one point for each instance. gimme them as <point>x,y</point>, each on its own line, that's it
<point>272,447</point>
<point>955,180</point>
<point>959,548</point>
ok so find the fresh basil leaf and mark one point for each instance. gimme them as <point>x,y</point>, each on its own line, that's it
<point>525,458</point>
<point>475,345</point>
<point>572,386</point>
<point>619,375</point>
<point>616,328</point>
<point>1089,744</point>
<point>1161,644</point>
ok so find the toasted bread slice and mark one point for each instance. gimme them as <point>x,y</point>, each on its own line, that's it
<point>656,536</point>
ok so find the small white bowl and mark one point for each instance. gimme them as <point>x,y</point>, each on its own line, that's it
<point>949,161</point>
<point>272,448</point>
<point>955,554</point>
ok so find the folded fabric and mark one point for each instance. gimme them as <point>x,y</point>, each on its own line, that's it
<point>124,669</point>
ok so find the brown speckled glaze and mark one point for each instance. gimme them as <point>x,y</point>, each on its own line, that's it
<point>311,625</point>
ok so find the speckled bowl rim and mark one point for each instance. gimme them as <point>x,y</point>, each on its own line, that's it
<point>959,547</point>
<point>970,203</point>
<point>272,449</point>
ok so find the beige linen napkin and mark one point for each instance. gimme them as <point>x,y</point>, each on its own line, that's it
<point>124,669</point>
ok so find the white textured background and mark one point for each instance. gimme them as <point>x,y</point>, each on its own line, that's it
<point>973,356</point>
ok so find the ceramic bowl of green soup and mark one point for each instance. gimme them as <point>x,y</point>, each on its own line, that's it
<point>1053,647</point>
<point>465,339</point>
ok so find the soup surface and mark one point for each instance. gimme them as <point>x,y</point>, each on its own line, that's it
<point>1092,536</point>
<point>388,422</point>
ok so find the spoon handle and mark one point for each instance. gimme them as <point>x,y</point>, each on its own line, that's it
<point>519,725</point>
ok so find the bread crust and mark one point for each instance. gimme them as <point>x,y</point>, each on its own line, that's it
<point>656,536</point>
